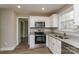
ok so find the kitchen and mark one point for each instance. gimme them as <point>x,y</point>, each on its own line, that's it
<point>61,37</point>
<point>59,31</point>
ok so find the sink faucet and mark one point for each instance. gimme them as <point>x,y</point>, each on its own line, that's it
<point>64,34</point>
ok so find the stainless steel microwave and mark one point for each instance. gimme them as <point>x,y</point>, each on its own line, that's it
<point>40,24</point>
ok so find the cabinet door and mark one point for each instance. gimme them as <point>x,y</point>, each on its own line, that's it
<point>47,22</point>
<point>32,41</point>
<point>54,45</point>
<point>54,20</point>
<point>57,46</point>
<point>50,43</point>
<point>47,42</point>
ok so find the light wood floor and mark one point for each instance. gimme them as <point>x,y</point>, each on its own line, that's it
<point>22,48</point>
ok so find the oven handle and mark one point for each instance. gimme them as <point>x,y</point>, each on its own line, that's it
<point>40,35</point>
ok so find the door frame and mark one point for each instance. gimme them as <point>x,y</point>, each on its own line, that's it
<point>17,32</point>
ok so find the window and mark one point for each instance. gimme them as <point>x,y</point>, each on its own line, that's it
<point>66,21</point>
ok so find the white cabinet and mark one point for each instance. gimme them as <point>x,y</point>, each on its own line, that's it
<point>54,20</point>
<point>47,40</point>
<point>32,41</point>
<point>50,43</point>
<point>33,19</point>
<point>57,47</point>
<point>47,22</point>
<point>54,45</point>
<point>76,14</point>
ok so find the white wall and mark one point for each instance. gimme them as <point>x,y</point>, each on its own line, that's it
<point>63,11</point>
<point>0,29</point>
<point>73,32</point>
<point>8,29</point>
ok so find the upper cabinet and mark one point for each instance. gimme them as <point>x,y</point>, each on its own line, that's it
<point>33,19</point>
<point>54,20</point>
<point>76,13</point>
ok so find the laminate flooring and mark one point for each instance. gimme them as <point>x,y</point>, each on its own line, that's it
<point>23,48</point>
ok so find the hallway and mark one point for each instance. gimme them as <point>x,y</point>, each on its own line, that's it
<point>23,45</point>
<point>22,48</point>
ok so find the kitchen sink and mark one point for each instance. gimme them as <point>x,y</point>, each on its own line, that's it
<point>61,37</point>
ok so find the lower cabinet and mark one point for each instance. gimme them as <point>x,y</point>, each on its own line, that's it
<point>54,45</point>
<point>31,41</point>
<point>58,47</point>
<point>69,49</point>
<point>47,40</point>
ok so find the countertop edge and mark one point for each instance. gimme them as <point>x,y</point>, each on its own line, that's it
<point>63,40</point>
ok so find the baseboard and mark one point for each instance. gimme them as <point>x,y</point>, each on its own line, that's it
<point>8,48</point>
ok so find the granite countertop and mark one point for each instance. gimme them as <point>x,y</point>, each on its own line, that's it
<point>43,27</point>
<point>32,33</point>
<point>74,41</point>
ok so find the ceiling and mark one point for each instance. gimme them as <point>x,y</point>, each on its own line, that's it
<point>34,9</point>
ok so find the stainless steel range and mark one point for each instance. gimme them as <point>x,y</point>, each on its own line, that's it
<point>40,37</point>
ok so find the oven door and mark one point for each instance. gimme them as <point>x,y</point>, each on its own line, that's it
<point>40,39</point>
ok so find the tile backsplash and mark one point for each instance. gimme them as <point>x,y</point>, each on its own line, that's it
<point>72,32</point>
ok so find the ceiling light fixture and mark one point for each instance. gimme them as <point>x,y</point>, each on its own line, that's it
<point>43,9</point>
<point>18,6</point>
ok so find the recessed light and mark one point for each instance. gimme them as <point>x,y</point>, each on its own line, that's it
<point>43,8</point>
<point>18,6</point>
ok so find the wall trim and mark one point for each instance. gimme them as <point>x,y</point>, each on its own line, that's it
<point>17,20</point>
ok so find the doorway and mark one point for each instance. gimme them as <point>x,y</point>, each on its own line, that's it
<point>23,29</point>
<point>22,33</point>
